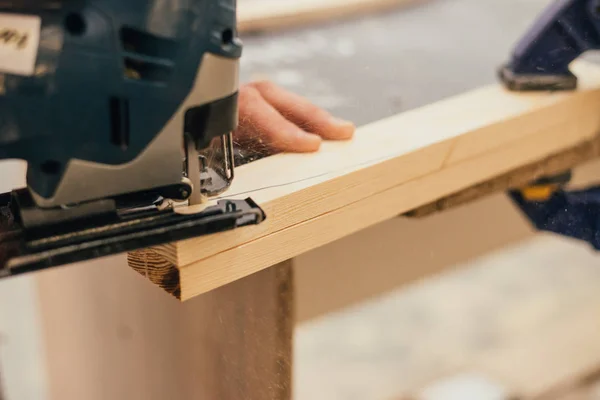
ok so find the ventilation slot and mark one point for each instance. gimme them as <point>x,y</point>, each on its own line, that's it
<point>119,122</point>
<point>142,43</point>
<point>147,71</point>
<point>147,57</point>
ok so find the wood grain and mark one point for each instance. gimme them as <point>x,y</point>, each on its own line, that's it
<point>110,335</point>
<point>242,339</point>
<point>270,15</point>
<point>157,269</point>
<point>432,243</point>
<point>390,167</point>
<point>553,164</point>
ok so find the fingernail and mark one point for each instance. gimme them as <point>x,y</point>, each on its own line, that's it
<point>341,122</point>
<point>312,137</point>
<point>345,129</point>
<point>311,141</point>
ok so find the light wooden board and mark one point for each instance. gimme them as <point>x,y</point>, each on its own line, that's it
<point>422,242</point>
<point>240,339</point>
<point>390,167</point>
<point>400,251</point>
<point>107,334</point>
<point>131,330</point>
<point>269,15</point>
<point>132,341</point>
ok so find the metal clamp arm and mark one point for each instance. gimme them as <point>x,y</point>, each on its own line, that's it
<point>565,30</point>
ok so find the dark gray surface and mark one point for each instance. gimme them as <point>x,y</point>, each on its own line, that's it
<point>371,68</point>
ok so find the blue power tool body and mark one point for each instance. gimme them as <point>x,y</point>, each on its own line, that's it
<point>123,111</point>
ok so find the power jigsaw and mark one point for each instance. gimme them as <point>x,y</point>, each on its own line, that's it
<point>124,112</point>
<point>565,30</point>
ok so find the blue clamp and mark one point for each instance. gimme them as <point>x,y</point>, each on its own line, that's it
<point>575,214</point>
<point>565,30</point>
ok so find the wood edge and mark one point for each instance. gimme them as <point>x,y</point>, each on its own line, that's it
<point>172,250</point>
<point>237,340</point>
<point>157,269</point>
<point>553,164</point>
<point>286,312</point>
<point>559,162</point>
<point>293,17</point>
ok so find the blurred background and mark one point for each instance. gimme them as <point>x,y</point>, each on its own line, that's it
<point>470,301</point>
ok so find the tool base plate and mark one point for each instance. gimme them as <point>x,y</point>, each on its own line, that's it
<point>25,249</point>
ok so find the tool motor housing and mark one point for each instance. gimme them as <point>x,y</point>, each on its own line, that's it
<point>103,91</point>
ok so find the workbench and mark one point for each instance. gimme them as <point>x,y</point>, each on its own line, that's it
<point>109,333</point>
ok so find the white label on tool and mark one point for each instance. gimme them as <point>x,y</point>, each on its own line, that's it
<point>19,41</point>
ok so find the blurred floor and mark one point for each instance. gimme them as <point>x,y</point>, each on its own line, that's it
<point>401,340</point>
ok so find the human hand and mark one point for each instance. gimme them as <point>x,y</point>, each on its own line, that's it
<point>273,120</point>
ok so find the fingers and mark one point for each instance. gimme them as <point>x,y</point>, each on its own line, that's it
<point>303,113</point>
<point>261,123</point>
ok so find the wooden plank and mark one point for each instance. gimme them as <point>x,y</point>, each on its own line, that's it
<point>269,15</point>
<point>130,340</point>
<point>389,168</point>
<point>241,339</point>
<point>107,334</point>
<point>22,358</point>
<point>553,164</point>
<point>423,242</point>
